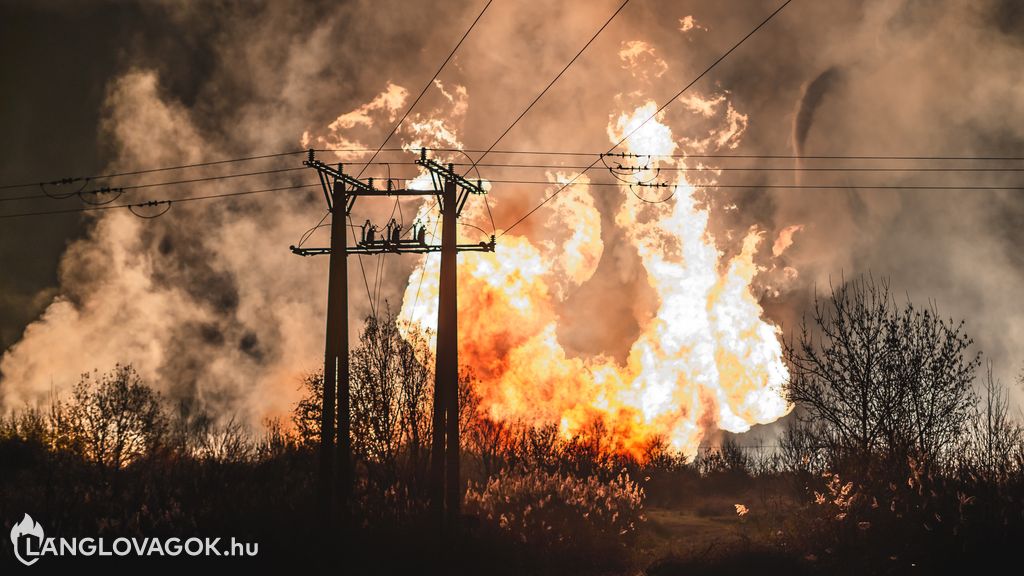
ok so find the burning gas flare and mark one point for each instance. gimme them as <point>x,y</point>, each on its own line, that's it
<point>705,359</point>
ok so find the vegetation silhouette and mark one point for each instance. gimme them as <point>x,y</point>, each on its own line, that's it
<point>900,457</point>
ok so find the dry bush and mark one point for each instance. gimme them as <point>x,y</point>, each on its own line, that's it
<point>554,512</point>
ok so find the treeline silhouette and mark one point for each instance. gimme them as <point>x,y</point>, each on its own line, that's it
<point>900,457</point>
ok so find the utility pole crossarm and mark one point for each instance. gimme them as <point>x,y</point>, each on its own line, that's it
<point>447,173</point>
<point>360,188</point>
<point>401,247</point>
<point>442,174</point>
<point>356,184</point>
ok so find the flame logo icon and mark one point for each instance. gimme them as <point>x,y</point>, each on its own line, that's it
<point>27,527</point>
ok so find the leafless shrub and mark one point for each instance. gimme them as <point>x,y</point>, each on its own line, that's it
<point>878,379</point>
<point>997,438</point>
<point>115,418</point>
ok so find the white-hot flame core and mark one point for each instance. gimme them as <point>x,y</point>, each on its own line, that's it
<point>705,359</point>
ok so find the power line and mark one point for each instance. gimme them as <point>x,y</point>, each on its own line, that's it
<point>423,272</point>
<point>780,186</point>
<point>755,185</point>
<point>149,170</point>
<point>865,157</point>
<point>532,182</point>
<point>428,84</point>
<point>73,179</point>
<point>853,169</point>
<point>169,202</point>
<point>394,129</point>
<point>619,183</point>
<point>490,215</point>
<point>121,189</point>
<point>660,109</point>
<point>761,168</point>
<point>310,232</point>
<point>694,81</point>
<point>748,156</point>
<point>487,203</point>
<point>378,280</point>
<point>156,202</point>
<point>552,83</point>
<point>373,309</point>
<point>839,156</point>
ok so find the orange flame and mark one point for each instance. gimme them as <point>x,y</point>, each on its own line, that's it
<point>705,359</point>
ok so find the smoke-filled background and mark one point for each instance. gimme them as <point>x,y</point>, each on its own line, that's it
<point>208,303</point>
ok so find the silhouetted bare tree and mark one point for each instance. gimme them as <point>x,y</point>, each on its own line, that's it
<point>997,437</point>
<point>876,378</point>
<point>306,414</point>
<point>416,380</point>
<point>391,385</point>
<point>115,417</point>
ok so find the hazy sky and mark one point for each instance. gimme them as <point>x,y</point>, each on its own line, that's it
<point>208,302</point>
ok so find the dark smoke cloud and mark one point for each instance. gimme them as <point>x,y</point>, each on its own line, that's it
<point>813,96</point>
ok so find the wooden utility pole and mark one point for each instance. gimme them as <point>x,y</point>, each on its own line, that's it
<point>341,191</point>
<point>446,373</point>
<point>336,363</point>
<point>337,303</point>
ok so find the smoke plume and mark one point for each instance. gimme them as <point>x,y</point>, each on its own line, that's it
<point>208,303</point>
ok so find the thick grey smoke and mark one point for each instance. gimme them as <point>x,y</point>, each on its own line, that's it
<point>208,303</point>
<point>930,79</point>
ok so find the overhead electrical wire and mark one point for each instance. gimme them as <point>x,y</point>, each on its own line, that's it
<point>378,278</point>
<point>830,168</point>
<point>122,189</point>
<point>851,186</point>
<point>402,119</point>
<point>423,272</point>
<point>853,169</point>
<point>524,182</point>
<point>660,109</point>
<point>344,262</point>
<point>167,202</point>
<point>429,83</point>
<point>743,156</point>
<point>320,224</point>
<point>764,168</point>
<point>160,169</point>
<point>551,83</point>
<point>574,182</point>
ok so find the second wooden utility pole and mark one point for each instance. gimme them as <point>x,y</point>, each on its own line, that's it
<point>446,372</point>
<point>336,364</point>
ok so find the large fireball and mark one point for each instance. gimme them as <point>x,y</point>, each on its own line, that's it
<point>705,360</point>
